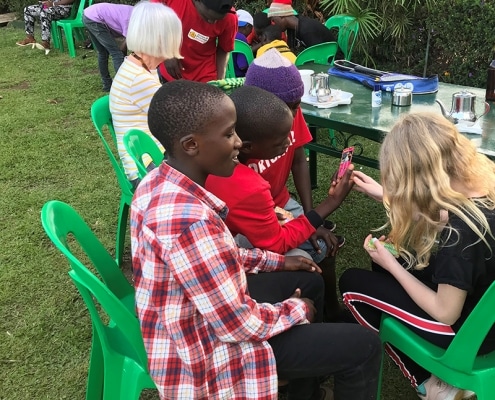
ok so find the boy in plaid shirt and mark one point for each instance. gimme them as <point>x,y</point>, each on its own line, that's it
<point>206,337</point>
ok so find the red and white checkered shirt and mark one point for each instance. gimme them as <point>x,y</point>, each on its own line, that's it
<point>204,335</point>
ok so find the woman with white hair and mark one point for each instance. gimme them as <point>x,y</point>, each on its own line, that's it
<point>153,36</point>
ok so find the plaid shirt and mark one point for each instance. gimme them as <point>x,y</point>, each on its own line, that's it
<point>205,337</point>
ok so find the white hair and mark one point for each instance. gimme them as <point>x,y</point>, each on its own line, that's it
<point>155,30</point>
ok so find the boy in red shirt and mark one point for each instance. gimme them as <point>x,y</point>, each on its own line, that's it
<point>208,32</point>
<point>251,199</point>
<point>275,74</point>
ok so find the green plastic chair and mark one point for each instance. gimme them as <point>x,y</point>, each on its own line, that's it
<point>348,30</point>
<point>53,27</point>
<point>239,47</point>
<point>139,143</point>
<point>125,360</point>
<point>101,116</point>
<point>63,225</point>
<point>323,53</point>
<point>459,364</point>
<point>70,25</point>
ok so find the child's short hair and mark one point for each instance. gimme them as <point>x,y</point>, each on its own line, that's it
<point>258,113</point>
<point>181,108</point>
<point>155,30</point>
<point>273,72</point>
<point>260,21</point>
<point>272,32</point>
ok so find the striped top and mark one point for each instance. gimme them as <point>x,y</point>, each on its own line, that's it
<point>130,96</point>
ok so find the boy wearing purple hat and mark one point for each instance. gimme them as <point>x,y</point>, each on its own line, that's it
<point>274,73</point>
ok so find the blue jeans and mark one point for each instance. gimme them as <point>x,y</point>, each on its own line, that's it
<point>105,44</point>
<point>307,248</point>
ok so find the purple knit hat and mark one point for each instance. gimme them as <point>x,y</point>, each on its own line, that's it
<point>274,73</point>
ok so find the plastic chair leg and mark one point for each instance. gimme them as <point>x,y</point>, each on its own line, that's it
<point>94,388</point>
<point>70,41</point>
<point>54,35</point>
<point>121,230</point>
<point>79,33</point>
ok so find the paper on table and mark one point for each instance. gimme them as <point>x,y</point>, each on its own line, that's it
<point>338,97</point>
<point>469,127</point>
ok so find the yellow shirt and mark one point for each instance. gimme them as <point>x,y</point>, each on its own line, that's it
<point>282,48</point>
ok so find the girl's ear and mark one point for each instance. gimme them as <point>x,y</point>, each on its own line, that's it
<point>189,145</point>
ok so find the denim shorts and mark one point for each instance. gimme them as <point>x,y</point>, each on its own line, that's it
<point>296,209</point>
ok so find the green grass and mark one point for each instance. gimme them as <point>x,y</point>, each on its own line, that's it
<point>50,150</point>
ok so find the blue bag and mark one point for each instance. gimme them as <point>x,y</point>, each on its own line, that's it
<point>387,81</point>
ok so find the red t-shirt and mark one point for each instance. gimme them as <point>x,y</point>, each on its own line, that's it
<point>251,211</point>
<point>199,41</point>
<point>276,171</point>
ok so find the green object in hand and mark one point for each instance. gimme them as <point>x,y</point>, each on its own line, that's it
<point>389,246</point>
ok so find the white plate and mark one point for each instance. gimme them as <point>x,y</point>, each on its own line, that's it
<point>338,97</point>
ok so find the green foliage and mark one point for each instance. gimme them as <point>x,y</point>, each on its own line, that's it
<point>454,38</point>
<point>462,55</point>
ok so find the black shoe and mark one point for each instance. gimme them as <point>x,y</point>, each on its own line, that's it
<point>341,240</point>
<point>330,225</point>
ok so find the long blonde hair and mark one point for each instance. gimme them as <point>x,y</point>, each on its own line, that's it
<point>419,159</point>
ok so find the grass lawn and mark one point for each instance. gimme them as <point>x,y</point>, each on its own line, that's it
<point>50,150</point>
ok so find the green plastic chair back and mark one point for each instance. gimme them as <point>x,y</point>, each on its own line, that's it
<point>101,116</point>
<point>323,53</point>
<point>70,25</point>
<point>125,363</point>
<point>62,223</point>
<point>239,47</point>
<point>55,34</point>
<point>348,31</point>
<point>459,364</point>
<point>139,143</point>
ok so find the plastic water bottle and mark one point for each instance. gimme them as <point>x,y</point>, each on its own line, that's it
<point>376,96</point>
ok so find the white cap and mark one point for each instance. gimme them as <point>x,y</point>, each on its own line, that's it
<point>244,17</point>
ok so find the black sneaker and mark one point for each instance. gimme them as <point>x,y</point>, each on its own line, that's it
<point>330,225</point>
<point>341,240</point>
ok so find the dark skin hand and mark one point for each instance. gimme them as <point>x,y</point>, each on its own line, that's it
<point>337,193</point>
<point>174,68</point>
<point>328,237</point>
<point>311,307</point>
<point>300,263</point>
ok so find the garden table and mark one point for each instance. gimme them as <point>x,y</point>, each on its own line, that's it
<point>359,120</point>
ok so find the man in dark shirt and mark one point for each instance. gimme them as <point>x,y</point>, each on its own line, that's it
<point>302,31</point>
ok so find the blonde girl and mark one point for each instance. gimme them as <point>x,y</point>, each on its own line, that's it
<point>439,194</point>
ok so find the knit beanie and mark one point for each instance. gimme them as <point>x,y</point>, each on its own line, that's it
<point>280,8</point>
<point>276,74</point>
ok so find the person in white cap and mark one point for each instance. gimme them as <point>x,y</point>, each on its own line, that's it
<point>245,27</point>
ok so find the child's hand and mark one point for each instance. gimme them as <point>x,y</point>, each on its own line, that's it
<point>328,237</point>
<point>298,263</point>
<point>367,185</point>
<point>310,316</point>
<point>340,188</point>
<point>379,254</point>
<point>174,68</point>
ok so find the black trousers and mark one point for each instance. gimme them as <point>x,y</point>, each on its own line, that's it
<point>349,352</point>
<point>368,294</point>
